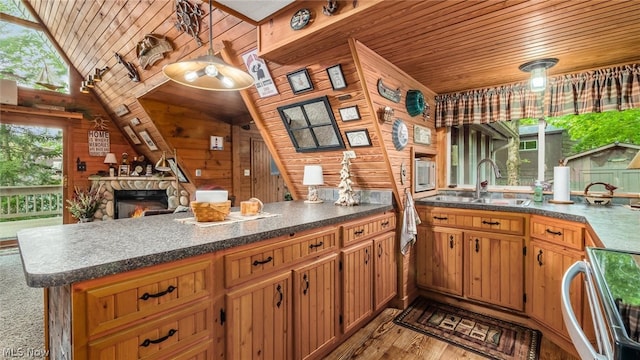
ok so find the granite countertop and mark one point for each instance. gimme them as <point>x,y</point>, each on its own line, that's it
<point>64,254</point>
<point>617,226</point>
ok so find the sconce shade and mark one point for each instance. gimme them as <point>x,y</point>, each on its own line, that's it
<point>538,70</point>
<point>110,159</point>
<point>162,164</point>
<point>635,162</point>
<point>208,72</point>
<point>313,175</point>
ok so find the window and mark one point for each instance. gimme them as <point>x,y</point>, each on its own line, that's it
<point>26,54</point>
<point>526,145</point>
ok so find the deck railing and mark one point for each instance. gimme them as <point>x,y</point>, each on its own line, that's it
<point>30,201</point>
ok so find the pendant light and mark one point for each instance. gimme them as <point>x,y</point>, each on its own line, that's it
<point>538,70</point>
<point>208,72</point>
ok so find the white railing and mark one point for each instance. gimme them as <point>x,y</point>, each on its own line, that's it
<point>30,201</point>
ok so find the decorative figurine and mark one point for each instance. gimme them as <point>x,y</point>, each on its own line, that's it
<point>133,73</point>
<point>188,19</point>
<point>151,49</point>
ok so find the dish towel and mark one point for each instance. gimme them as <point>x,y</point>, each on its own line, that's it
<point>410,222</point>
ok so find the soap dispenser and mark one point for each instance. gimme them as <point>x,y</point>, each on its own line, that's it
<point>537,192</point>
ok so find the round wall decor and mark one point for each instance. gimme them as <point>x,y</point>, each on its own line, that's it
<point>300,19</point>
<point>400,134</point>
<point>415,102</point>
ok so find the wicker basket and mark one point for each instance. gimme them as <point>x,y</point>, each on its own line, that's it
<point>207,212</point>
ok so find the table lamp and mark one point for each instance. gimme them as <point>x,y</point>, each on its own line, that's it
<point>312,178</point>
<point>111,160</point>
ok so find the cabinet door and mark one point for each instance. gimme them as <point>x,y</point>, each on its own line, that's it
<point>495,270</point>
<point>547,265</point>
<point>259,320</point>
<point>386,281</point>
<point>314,303</point>
<point>439,259</point>
<point>357,282</point>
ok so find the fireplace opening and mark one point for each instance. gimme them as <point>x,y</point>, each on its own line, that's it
<point>133,203</point>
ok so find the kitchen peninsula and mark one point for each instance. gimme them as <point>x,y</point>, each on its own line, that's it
<point>155,286</point>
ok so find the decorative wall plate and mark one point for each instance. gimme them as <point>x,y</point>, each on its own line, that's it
<point>300,19</point>
<point>400,134</point>
<point>388,93</point>
<point>414,102</point>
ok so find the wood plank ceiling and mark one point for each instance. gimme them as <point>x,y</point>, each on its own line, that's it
<point>447,45</point>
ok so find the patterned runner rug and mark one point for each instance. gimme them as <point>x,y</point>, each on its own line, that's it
<point>493,338</point>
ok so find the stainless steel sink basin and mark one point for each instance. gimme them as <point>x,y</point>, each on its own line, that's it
<point>452,198</point>
<point>501,201</point>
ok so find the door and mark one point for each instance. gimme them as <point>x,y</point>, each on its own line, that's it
<point>266,182</point>
<point>386,281</point>
<point>357,283</point>
<point>439,259</point>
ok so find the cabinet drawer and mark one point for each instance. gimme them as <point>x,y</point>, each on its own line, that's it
<point>497,222</point>
<point>363,229</point>
<point>560,232</point>
<point>158,339</point>
<point>246,264</point>
<point>136,297</point>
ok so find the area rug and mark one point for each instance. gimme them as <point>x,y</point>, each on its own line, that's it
<point>489,337</point>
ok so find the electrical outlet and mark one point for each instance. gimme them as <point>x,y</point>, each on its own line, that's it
<point>247,172</point>
<point>349,154</point>
<point>198,172</point>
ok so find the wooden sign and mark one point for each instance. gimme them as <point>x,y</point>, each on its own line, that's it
<point>99,143</point>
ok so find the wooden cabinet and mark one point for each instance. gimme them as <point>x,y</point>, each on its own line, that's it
<point>385,270</point>
<point>474,254</point>
<point>439,259</point>
<point>357,284</point>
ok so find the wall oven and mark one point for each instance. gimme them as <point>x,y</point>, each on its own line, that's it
<point>612,281</point>
<point>424,174</point>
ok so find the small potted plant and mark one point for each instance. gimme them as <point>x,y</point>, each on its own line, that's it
<point>84,203</point>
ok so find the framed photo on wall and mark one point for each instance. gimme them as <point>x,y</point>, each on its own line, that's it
<point>148,140</point>
<point>132,135</point>
<point>358,138</point>
<point>349,113</point>
<point>336,77</point>
<point>300,81</point>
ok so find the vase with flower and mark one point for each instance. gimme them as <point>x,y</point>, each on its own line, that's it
<point>84,203</point>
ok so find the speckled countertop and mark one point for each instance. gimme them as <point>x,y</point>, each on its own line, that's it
<point>64,254</point>
<point>618,227</point>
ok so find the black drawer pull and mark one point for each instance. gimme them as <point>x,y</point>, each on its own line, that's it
<point>148,342</point>
<point>440,218</point>
<point>477,245</point>
<point>451,241</point>
<point>256,262</point>
<point>279,290</point>
<point>559,233</point>
<point>358,232</point>
<point>367,256</point>
<point>385,224</point>
<point>311,246</point>
<point>490,222</point>
<point>147,296</point>
<point>540,258</point>
<point>305,278</point>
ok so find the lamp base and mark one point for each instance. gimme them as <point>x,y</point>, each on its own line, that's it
<point>313,201</point>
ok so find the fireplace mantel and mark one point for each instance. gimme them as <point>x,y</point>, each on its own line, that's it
<point>110,184</point>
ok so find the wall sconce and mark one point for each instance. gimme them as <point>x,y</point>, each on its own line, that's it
<point>312,178</point>
<point>538,70</point>
<point>89,82</point>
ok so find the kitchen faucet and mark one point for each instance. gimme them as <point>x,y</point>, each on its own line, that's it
<point>496,171</point>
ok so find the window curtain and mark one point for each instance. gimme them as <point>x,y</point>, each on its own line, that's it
<point>616,88</point>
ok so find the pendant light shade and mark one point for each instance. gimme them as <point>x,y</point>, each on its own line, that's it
<point>538,70</point>
<point>208,72</point>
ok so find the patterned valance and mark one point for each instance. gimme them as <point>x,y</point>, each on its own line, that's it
<point>600,90</point>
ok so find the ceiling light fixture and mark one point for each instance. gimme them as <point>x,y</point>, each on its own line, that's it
<point>538,70</point>
<point>208,72</point>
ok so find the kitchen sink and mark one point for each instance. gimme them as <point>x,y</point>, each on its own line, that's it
<point>502,201</point>
<point>452,198</point>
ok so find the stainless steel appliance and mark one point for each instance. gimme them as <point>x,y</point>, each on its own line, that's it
<point>612,280</point>
<point>424,174</point>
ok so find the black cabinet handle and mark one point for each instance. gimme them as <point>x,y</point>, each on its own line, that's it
<point>490,222</point>
<point>477,245</point>
<point>148,342</point>
<point>311,246</point>
<point>305,278</point>
<point>256,262</point>
<point>358,232</point>
<point>540,258</point>
<point>451,241</point>
<point>379,249</point>
<point>440,218</point>
<point>385,224</point>
<point>367,256</point>
<point>559,233</point>
<point>279,290</point>
<point>147,296</point>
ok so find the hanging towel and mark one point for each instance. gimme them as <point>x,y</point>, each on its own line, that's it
<point>410,223</point>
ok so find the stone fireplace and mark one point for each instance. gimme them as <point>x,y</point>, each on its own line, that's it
<point>151,191</point>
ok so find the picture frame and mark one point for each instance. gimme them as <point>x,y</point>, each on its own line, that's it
<point>349,113</point>
<point>135,121</point>
<point>300,81</point>
<point>132,135</point>
<point>148,140</point>
<point>121,110</point>
<point>216,143</point>
<point>177,171</point>
<point>358,138</point>
<point>336,77</point>
<point>123,170</point>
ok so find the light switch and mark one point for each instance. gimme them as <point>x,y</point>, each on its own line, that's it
<point>198,172</point>
<point>247,172</point>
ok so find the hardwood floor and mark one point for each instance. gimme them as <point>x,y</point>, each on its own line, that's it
<point>382,339</point>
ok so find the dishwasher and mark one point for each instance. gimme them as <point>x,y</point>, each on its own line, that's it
<point>612,283</point>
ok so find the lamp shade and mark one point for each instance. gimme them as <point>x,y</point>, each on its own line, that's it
<point>313,175</point>
<point>635,163</point>
<point>110,159</point>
